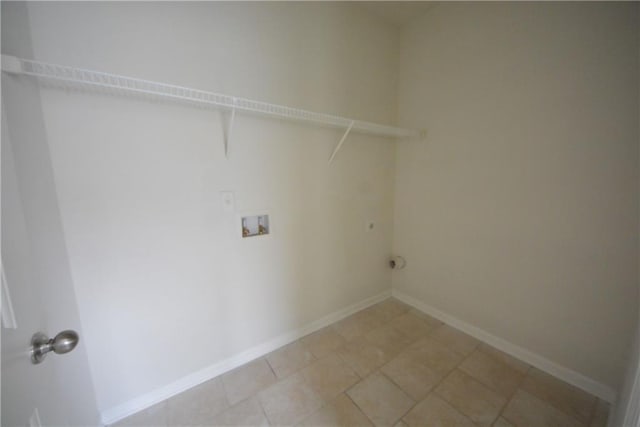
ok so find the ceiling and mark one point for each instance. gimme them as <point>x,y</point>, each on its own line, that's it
<point>397,13</point>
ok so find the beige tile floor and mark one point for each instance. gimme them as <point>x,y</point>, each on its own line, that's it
<point>388,365</point>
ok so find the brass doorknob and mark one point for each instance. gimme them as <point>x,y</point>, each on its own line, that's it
<point>41,344</point>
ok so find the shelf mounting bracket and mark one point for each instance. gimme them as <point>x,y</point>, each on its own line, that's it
<point>344,137</point>
<point>227,136</point>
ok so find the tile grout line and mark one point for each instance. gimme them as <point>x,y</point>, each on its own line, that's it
<point>501,413</point>
<point>378,370</point>
<point>551,405</point>
<point>226,392</point>
<point>325,401</point>
<point>447,375</point>
<point>266,359</point>
<point>362,378</point>
<point>444,377</point>
<point>594,408</point>
<point>512,394</point>
<point>356,404</point>
<point>255,395</point>
<point>432,391</point>
<point>415,402</point>
<point>226,397</point>
<point>266,417</point>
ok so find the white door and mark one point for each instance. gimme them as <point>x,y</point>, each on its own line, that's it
<point>36,276</point>
<point>36,266</point>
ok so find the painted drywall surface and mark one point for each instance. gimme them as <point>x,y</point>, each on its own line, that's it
<point>519,214</point>
<point>35,259</point>
<point>165,284</point>
<point>628,407</point>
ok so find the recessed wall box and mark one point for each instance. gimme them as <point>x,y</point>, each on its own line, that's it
<point>255,225</point>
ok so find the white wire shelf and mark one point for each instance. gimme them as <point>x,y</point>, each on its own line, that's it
<point>113,83</point>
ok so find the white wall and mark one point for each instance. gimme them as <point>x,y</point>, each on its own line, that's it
<point>164,284</point>
<point>519,215</point>
<point>627,410</point>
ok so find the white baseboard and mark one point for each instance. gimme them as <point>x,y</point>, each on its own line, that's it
<point>123,410</point>
<point>570,376</point>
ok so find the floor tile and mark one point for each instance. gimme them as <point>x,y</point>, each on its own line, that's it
<point>381,400</point>
<point>289,401</point>
<point>340,412</point>
<point>435,355</point>
<point>247,380</point>
<point>356,325</point>
<point>456,340</point>
<point>424,316</point>
<point>155,416</point>
<point>435,412</point>
<point>412,374</point>
<point>565,397</point>
<point>501,422</point>
<point>492,373</point>
<point>198,405</point>
<point>524,409</point>
<point>243,414</point>
<point>389,309</point>
<point>412,326</point>
<point>404,357</point>
<point>470,397</point>
<point>330,376</point>
<point>601,415</point>
<point>389,339</point>
<point>503,357</point>
<point>323,342</point>
<point>363,357</point>
<point>289,359</point>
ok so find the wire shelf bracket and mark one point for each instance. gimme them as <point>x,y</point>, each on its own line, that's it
<point>344,137</point>
<point>229,132</point>
<point>123,85</point>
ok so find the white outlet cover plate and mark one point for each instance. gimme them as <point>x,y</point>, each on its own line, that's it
<point>228,201</point>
